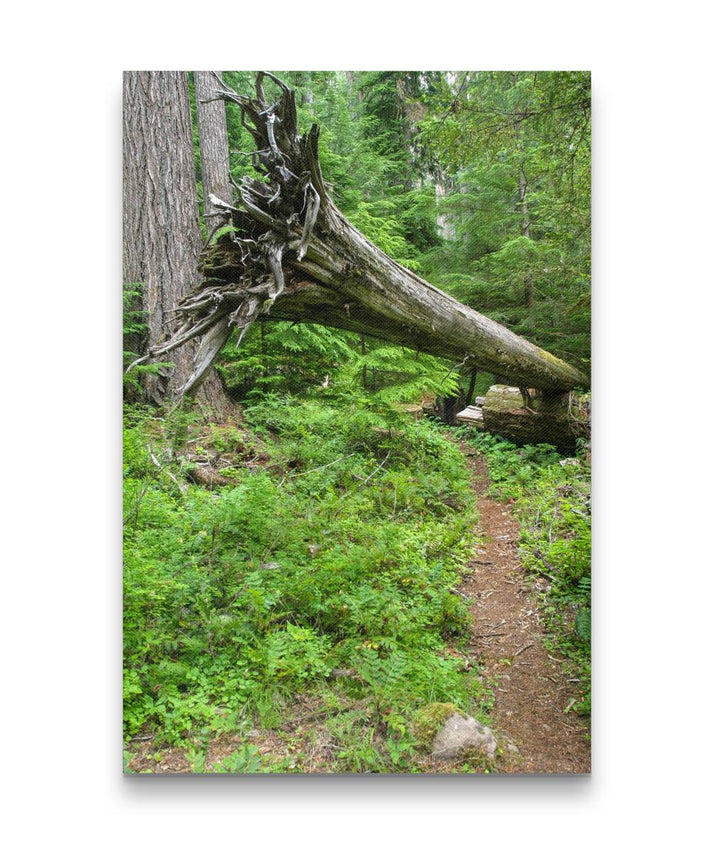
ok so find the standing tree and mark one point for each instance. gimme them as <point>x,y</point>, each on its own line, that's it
<point>161,227</point>
<point>214,150</point>
<point>161,230</point>
<point>215,172</point>
<point>518,147</point>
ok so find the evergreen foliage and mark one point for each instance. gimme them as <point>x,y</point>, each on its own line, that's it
<point>518,147</point>
<point>134,336</point>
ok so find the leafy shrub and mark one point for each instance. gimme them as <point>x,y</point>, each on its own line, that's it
<point>297,655</point>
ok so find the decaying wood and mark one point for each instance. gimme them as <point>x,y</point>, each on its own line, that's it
<point>208,476</point>
<point>286,250</point>
<point>555,418</point>
<point>471,416</point>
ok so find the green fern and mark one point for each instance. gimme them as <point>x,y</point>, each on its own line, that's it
<point>228,229</point>
<point>583,624</point>
<point>398,375</point>
<point>134,331</point>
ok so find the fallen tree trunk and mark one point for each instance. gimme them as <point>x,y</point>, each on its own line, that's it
<point>286,250</point>
<point>527,416</point>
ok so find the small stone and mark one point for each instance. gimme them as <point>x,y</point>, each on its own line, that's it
<point>460,733</point>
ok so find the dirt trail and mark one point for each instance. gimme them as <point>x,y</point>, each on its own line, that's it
<point>533,687</point>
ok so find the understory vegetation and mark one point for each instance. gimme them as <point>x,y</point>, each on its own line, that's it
<point>316,584</point>
<point>551,498</point>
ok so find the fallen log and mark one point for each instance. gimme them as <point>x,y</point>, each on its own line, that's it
<point>528,416</point>
<point>286,250</point>
<point>207,476</point>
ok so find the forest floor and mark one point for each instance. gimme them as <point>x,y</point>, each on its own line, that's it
<point>532,717</point>
<point>534,689</point>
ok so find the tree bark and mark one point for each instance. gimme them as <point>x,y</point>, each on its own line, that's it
<point>293,255</point>
<point>161,230</point>
<point>215,173</point>
<point>161,226</point>
<point>214,150</point>
<point>528,296</point>
<point>532,418</point>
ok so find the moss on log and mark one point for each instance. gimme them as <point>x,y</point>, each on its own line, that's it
<point>532,417</point>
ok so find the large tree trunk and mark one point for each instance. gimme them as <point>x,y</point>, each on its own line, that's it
<point>161,230</point>
<point>293,255</point>
<point>214,150</point>
<point>215,172</point>
<point>161,226</point>
<point>528,298</point>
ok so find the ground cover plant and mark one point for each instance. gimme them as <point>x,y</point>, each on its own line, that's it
<point>317,578</point>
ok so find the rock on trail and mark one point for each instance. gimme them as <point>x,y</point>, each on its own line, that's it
<point>460,733</point>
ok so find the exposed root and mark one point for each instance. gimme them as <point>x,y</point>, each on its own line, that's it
<point>272,216</point>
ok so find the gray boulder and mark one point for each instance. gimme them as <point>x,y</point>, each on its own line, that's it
<point>460,733</point>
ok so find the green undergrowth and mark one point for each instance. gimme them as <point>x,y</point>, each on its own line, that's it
<point>319,579</point>
<point>551,498</point>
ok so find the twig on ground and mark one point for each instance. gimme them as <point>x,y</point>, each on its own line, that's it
<point>382,464</point>
<point>181,487</point>
<point>324,466</point>
<point>319,714</point>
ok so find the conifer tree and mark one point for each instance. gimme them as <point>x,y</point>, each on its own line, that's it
<point>161,227</point>
<point>161,230</point>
